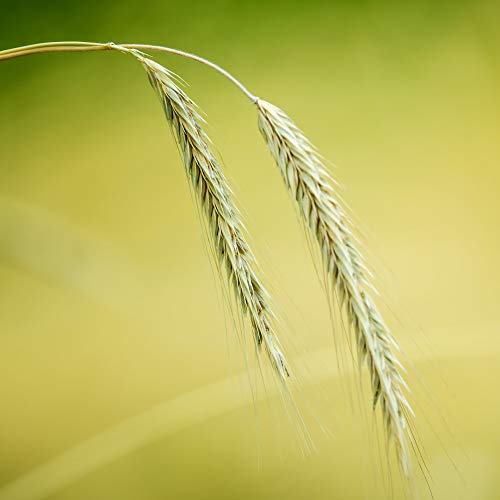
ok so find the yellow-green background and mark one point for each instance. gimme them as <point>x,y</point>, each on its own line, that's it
<point>109,308</point>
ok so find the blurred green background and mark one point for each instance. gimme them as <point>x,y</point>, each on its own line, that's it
<point>110,320</point>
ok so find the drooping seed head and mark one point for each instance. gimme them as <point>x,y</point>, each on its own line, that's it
<point>215,199</point>
<point>313,190</point>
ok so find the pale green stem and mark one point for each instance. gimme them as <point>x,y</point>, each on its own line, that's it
<point>91,46</point>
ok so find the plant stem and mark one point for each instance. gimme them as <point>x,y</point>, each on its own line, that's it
<point>39,48</point>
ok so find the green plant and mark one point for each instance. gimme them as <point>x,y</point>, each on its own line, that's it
<point>313,189</point>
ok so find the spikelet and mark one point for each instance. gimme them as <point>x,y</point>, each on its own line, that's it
<point>312,188</point>
<point>215,199</point>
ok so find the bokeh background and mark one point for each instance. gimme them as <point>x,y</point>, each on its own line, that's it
<point>119,375</point>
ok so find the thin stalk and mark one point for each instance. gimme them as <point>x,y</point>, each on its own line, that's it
<point>36,46</point>
<point>74,46</point>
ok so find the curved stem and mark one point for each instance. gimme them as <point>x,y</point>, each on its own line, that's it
<point>194,57</point>
<point>40,50</point>
<point>27,49</point>
<point>74,46</point>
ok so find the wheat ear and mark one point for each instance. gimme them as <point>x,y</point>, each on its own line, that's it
<point>312,188</point>
<point>215,199</point>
